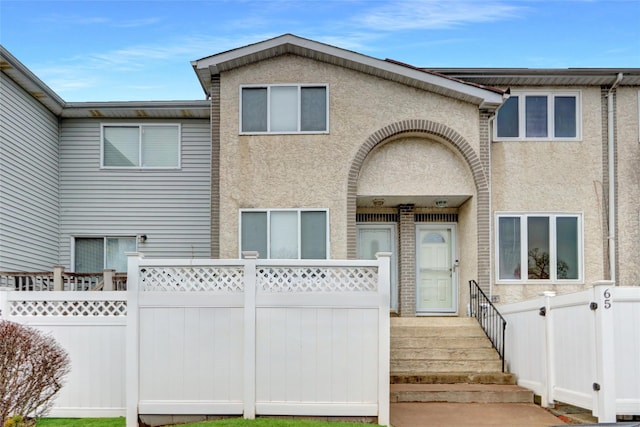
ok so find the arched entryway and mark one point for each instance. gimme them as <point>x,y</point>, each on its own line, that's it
<point>396,179</point>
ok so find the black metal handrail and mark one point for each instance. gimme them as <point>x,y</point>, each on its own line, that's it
<point>489,317</point>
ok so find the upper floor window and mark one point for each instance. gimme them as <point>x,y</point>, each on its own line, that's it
<point>285,234</point>
<point>141,146</point>
<point>539,116</point>
<point>539,247</point>
<point>284,109</point>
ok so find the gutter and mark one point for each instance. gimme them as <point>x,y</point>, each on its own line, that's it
<point>612,176</point>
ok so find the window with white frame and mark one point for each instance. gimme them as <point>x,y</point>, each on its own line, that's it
<point>141,146</point>
<point>539,116</point>
<point>284,109</point>
<point>286,233</point>
<point>549,246</point>
<point>94,254</point>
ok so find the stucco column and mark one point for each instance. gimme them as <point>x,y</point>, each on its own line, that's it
<point>407,252</point>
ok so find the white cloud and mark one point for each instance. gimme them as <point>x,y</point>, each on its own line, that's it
<point>436,14</point>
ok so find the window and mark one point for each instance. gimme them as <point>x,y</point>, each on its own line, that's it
<point>141,146</point>
<point>284,109</point>
<point>285,234</point>
<point>539,116</point>
<point>94,254</point>
<point>548,245</point>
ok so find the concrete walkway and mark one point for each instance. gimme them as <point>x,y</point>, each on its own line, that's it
<point>471,414</point>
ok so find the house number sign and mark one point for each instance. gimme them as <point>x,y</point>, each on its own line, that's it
<point>607,299</point>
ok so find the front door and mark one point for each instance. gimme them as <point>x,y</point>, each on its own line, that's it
<point>373,238</point>
<point>436,265</point>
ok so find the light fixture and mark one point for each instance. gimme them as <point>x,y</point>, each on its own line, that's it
<point>441,203</point>
<point>142,238</point>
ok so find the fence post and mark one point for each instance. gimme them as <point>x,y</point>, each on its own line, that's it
<point>547,400</point>
<point>58,283</point>
<point>249,385</point>
<point>107,278</point>
<point>384,331</point>
<point>132,382</point>
<point>605,382</point>
<point>4,301</point>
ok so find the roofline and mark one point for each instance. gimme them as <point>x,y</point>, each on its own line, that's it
<point>212,65</point>
<point>20,74</point>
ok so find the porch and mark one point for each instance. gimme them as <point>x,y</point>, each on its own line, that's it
<point>60,280</point>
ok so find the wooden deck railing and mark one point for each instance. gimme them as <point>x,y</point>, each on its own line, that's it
<point>59,280</point>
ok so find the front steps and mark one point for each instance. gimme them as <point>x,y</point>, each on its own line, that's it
<point>448,359</point>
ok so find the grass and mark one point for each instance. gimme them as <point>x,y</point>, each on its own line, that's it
<point>230,422</point>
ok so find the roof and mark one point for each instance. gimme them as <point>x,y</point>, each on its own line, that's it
<point>543,76</point>
<point>28,81</point>
<point>209,66</point>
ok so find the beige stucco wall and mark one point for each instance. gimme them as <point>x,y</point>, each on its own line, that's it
<point>554,177</point>
<point>628,176</point>
<point>291,171</point>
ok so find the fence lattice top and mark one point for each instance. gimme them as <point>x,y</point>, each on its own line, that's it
<point>190,279</point>
<point>312,279</point>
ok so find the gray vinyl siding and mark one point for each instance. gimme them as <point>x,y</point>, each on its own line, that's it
<point>28,181</point>
<point>172,207</point>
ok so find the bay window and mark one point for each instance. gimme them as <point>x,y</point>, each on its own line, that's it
<point>539,116</point>
<point>284,109</point>
<point>285,234</point>
<point>539,247</point>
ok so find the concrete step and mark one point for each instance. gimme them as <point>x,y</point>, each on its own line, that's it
<point>437,331</point>
<point>440,342</point>
<point>436,353</point>
<point>421,366</point>
<point>453,378</point>
<point>433,321</point>
<point>460,393</point>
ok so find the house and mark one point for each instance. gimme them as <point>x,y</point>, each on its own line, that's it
<point>524,180</point>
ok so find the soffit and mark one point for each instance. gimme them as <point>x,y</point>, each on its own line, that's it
<point>139,110</point>
<point>205,68</point>
<point>20,74</point>
<point>544,77</point>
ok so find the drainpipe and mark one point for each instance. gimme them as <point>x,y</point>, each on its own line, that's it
<point>612,175</point>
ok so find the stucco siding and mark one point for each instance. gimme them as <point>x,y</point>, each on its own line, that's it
<point>29,213</point>
<point>555,177</point>
<point>628,176</point>
<point>276,171</point>
<point>171,207</point>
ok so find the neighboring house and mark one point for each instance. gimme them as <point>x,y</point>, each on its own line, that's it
<point>306,150</point>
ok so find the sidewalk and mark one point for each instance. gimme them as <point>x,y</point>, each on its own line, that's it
<point>471,414</point>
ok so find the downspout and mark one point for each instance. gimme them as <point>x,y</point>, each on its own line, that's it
<point>612,176</point>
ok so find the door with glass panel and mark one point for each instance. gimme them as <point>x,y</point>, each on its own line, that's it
<point>436,269</point>
<point>374,238</point>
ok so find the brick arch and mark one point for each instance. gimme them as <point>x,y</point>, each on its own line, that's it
<point>459,144</point>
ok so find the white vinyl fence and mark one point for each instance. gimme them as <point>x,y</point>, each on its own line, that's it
<point>582,348</point>
<point>258,337</point>
<point>91,326</point>
<point>234,337</point>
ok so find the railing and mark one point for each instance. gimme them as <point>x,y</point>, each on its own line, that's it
<point>58,279</point>
<point>492,322</point>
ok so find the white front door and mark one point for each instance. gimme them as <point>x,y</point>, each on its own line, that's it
<point>436,269</point>
<point>373,238</point>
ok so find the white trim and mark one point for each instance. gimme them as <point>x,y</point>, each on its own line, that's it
<point>299,86</point>
<point>140,125</point>
<point>454,271</point>
<point>299,211</point>
<point>552,247</point>
<point>550,94</point>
